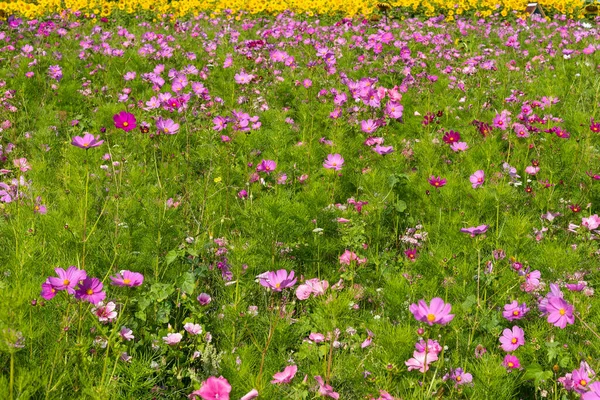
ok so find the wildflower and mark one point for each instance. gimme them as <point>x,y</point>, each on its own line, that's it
<point>67,280</point>
<point>193,329</point>
<point>451,137</point>
<point>243,78</point>
<point>594,126</point>
<point>421,360</point>
<point>437,181</point>
<point>105,313</point>
<point>459,377</point>
<point>125,121</point>
<point>514,311</point>
<point>560,312</point>
<point>39,208</point>
<point>173,338</point>
<point>22,164</point>
<point>277,280</point>
<point>475,230</point>
<point>593,393</point>
<point>383,150</point>
<point>250,395</point>
<point>87,141</point>
<point>591,222</point>
<point>311,286</point>
<point>266,166</point>
<point>459,146</point>
<point>581,377</point>
<point>204,299</point>
<point>286,375</point>
<point>511,362</point>
<point>480,351</point>
<point>212,389</point>
<point>512,339</point>
<point>90,289</point>
<point>316,337</point>
<point>126,333</point>
<point>348,256</point>
<point>368,126</point>
<point>167,126</point>
<point>48,291</point>
<point>326,390</point>
<point>531,170</point>
<point>477,179</point>
<point>411,254</point>
<point>437,312</point>
<point>334,161</point>
<point>127,278</point>
<point>502,120</point>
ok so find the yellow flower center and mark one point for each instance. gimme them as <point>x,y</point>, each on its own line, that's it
<point>511,364</point>
<point>561,311</point>
<point>278,285</point>
<point>515,313</point>
<point>458,378</point>
<point>583,382</point>
<point>430,317</point>
<point>513,340</point>
<point>127,281</point>
<point>166,130</point>
<point>86,144</point>
<point>89,292</point>
<point>125,124</point>
<point>66,282</point>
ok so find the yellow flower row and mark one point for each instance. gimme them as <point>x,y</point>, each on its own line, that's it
<point>103,8</point>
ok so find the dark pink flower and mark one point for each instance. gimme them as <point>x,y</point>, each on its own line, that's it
<point>560,312</point>
<point>512,339</point>
<point>437,181</point>
<point>125,121</point>
<point>213,389</point>
<point>266,166</point>
<point>511,362</point>
<point>67,280</point>
<point>286,375</point>
<point>476,230</point>
<point>326,390</point>
<point>90,289</point>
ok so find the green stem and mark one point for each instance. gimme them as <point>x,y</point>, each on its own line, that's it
<point>12,375</point>
<point>85,210</point>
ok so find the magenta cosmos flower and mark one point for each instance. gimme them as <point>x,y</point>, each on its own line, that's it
<point>514,311</point>
<point>286,375</point>
<point>127,278</point>
<point>477,179</point>
<point>475,230</point>
<point>512,339</point>
<point>125,121</point>
<point>459,376</point>
<point>90,289</point>
<point>277,280</point>
<point>167,126</point>
<point>203,299</point>
<point>451,137</point>
<point>334,161</point>
<point>87,141</point>
<point>511,362</point>
<point>173,338</point>
<point>437,312</point>
<point>213,389</point>
<point>560,312</point>
<point>593,393</point>
<point>67,280</point>
<point>437,181</point>
<point>266,166</point>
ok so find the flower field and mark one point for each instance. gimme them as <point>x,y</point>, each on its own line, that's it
<point>376,203</point>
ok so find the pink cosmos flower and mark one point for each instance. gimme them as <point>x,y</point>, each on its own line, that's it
<point>127,278</point>
<point>48,291</point>
<point>475,230</point>
<point>459,377</point>
<point>67,280</point>
<point>22,164</point>
<point>437,181</point>
<point>243,78</point>
<point>459,146</point>
<point>437,312</point>
<point>105,313</point>
<point>125,121</point>
<point>394,110</point>
<point>368,126</point>
<point>521,130</point>
<point>383,150</point>
<point>511,362</point>
<point>502,120</point>
<point>326,390</point>
<point>411,254</point>
<point>90,289</point>
<point>334,161</point>
<point>514,311</point>
<point>593,393</point>
<point>316,337</point>
<point>311,286</point>
<point>173,338</point>
<point>421,361</point>
<point>167,126</point>
<point>560,312</point>
<point>87,141</point>
<point>266,166</point>
<point>592,222</point>
<point>512,339</point>
<point>213,389</point>
<point>286,375</point>
<point>477,179</point>
<point>278,280</point>
<point>531,170</point>
<point>581,377</point>
<point>451,137</point>
<point>554,292</point>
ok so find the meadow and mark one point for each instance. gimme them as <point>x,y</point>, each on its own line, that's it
<point>299,206</point>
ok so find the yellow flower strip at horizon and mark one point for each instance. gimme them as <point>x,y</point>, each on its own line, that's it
<point>184,8</point>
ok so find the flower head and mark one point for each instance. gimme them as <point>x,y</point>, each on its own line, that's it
<point>173,338</point>
<point>67,280</point>
<point>560,312</point>
<point>87,141</point>
<point>511,362</point>
<point>475,230</point>
<point>514,311</point>
<point>286,375</point>
<point>334,161</point>
<point>213,389</point>
<point>105,313</point>
<point>125,121</point>
<point>437,312</point>
<point>127,278</point>
<point>266,166</point>
<point>167,126</point>
<point>512,339</point>
<point>477,179</point>
<point>437,181</point>
<point>459,377</point>
<point>90,289</point>
<point>277,280</point>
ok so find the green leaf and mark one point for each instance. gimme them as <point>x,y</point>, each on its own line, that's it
<point>186,282</point>
<point>468,304</point>
<point>171,256</point>
<point>401,206</point>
